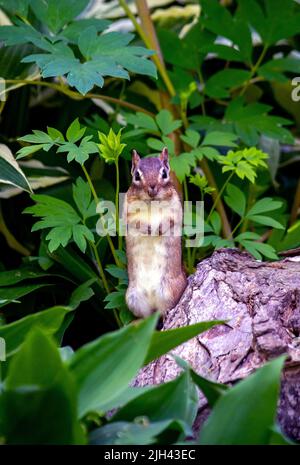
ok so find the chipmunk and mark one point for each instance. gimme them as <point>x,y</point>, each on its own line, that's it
<point>153,217</point>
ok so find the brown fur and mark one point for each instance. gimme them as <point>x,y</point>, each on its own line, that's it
<point>156,275</point>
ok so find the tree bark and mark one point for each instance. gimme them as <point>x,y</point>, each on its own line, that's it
<point>261,304</point>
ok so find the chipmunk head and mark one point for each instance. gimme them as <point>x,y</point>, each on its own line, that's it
<point>151,176</point>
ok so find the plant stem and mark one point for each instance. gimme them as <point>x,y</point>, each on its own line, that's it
<point>102,276</point>
<point>236,228</point>
<point>254,68</point>
<point>218,197</point>
<point>148,35</point>
<point>100,267</point>
<point>112,248</point>
<point>189,253</point>
<point>77,96</point>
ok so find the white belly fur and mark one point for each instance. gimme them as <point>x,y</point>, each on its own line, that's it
<point>149,268</point>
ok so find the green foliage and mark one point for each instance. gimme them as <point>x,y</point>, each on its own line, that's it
<point>110,146</point>
<point>233,419</point>
<point>62,219</point>
<point>223,106</point>
<point>244,162</point>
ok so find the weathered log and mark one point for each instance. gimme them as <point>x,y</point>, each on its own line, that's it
<point>261,303</point>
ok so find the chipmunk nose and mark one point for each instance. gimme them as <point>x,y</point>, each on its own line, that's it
<point>152,191</point>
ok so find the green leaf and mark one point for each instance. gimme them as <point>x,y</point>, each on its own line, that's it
<point>235,199</point>
<point>251,120</point>
<point>117,272</point>
<point>274,22</point>
<point>217,18</point>
<point>141,120</point>
<point>266,204</point>
<point>55,15</point>
<point>212,391</point>
<point>63,221</point>
<point>246,412</point>
<point>266,221</point>
<point>79,153</point>
<point>165,122</point>
<point>11,294</point>
<point>38,405</point>
<point>83,198</point>
<point>138,433</point>
<point>124,350</point>
<point>164,341</point>
<point>191,137</point>
<point>10,171</point>
<point>49,321</point>
<point>75,132</point>
<point>110,146</point>
<point>219,138</point>
<point>182,165</point>
<point>106,55</point>
<point>219,85</point>
<point>257,249</point>
<point>173,400</point>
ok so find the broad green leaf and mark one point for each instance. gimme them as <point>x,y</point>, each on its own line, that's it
<point>235,199</point>
<point>164,341</point>
<point>124,350</point>
<point>175,400</point>
<point>212,390</point>
<point>220,139</point>
<point>10,171</point>
<point>56,15</point>
<point>10,277</point>
<point>138,433</point>
<point>246,412</point>
<point>12,294</point>
<point>38,405</point>
<point>48,320</point>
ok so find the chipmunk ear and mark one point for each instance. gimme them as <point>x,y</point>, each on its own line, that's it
<point>164,157</point>
<point>135,160</point>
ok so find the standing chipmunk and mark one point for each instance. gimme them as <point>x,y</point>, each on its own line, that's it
<point>153,217</point>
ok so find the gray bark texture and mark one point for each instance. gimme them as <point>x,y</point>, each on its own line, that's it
<point>261,303</point>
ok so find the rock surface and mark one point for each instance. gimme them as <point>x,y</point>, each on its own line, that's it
<point>261,304</point>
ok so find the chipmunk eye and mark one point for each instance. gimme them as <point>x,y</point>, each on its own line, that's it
<point>164,174</point>
<point>137,176</point>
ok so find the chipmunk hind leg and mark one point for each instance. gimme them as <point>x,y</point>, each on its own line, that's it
<point>138,303</point>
